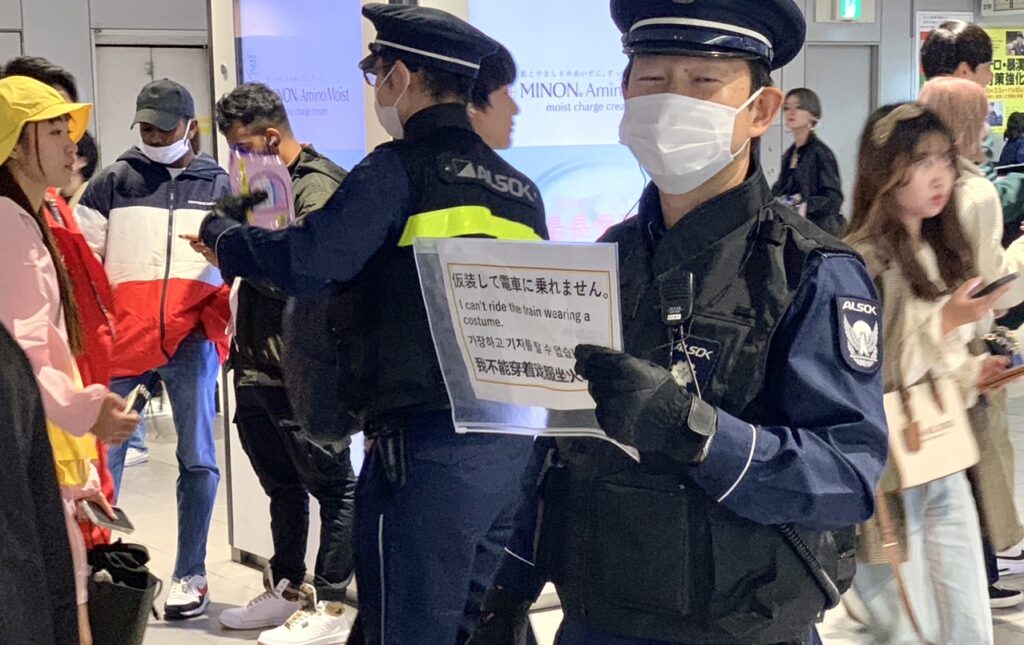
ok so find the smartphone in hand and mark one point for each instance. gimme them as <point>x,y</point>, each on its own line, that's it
<point>139,396</point>
<point>99,517</point>
<point>995,286</point>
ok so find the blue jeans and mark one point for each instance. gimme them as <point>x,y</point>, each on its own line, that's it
<point>425,547</point>
<point>945,574</point>
<point>138,438</point>
<point>191,380</point>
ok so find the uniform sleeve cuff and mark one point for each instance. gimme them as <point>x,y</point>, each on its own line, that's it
<point>519,575</point>
<point>729,459</point>
<point>213,227</point>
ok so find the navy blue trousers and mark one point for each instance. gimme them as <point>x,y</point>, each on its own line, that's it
<point>427,548</point>
<point>576,633</point>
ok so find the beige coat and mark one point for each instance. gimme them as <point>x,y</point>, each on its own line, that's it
<point>992,479</point>
<point>981,217</point>
<point>914,344</point>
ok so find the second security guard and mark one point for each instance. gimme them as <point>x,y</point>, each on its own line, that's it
<point>426,498</point>
<point>750,382</point>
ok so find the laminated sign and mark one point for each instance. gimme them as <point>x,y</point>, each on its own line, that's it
<point>506,318</point>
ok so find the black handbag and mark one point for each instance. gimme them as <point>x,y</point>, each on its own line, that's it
<point>121,593</point>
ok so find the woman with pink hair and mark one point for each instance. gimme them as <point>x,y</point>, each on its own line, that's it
<point>963,107</point>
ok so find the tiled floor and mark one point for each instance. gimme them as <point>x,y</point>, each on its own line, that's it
<point>149,499</point>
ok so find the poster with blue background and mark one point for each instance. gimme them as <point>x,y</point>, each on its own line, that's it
<point>569,92</point>
<point>308,51</point>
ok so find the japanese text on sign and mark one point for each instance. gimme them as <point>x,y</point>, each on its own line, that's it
<point>509,319</point>
<point>519,310</point>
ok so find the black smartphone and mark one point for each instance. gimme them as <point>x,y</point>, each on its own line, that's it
<point>138,398</point>
<point>995,286</point>
<point>98,517</point>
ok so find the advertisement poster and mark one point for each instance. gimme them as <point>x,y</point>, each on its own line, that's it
<point>1006,92</point>
<point>926,22</point>
<point>569,91</point>
<point>1002,7</point>
<point>324,94</point>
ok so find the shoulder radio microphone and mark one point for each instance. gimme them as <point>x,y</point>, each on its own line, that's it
<point>676,290</point>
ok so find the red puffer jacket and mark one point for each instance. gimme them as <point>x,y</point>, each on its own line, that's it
<point>95,302</point>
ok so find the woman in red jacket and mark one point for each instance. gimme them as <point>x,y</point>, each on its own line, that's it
<point>93,297</point>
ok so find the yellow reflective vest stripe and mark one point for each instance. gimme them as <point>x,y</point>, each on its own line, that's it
<point>462,221</point>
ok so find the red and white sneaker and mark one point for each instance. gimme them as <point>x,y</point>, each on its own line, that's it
<point>189,598</point>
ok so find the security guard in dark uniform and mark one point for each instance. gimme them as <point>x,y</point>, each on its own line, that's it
<point>748,382</point>
<point>427,499</point>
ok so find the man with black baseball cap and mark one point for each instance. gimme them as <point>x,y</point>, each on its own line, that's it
<point>432,507</point>
<point>170,308</point>
<point>758,419</point>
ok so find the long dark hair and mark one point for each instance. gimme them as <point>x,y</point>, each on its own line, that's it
<point>10,188</point>
<point>1014,127</point>
<point>887,156</point>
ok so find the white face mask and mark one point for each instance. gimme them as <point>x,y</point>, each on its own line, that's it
<point>166,155</point>
<point>388,116</point>
<point>681,142</point>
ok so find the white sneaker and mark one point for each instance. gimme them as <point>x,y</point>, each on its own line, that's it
<point>134,457</point>
<point>310,627</point>
<point>269,609</point>
<point>189,598</point>
<point>1011,563</point>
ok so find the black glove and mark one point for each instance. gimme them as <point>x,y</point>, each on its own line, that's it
<point>506,619</point>
<point>640,404</point>
<point>228,213</point>
<point>237,207</point>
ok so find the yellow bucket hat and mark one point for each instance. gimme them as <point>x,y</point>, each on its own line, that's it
<point>26,100</point>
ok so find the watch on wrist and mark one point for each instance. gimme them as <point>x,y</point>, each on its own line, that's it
<point>703,423</point>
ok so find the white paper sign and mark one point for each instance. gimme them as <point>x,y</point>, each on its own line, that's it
<point>519,310</point>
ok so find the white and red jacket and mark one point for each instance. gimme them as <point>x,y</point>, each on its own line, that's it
<point>132,214</point>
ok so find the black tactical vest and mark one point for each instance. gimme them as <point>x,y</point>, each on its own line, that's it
<point>637,549</point>
<point>387,341</point>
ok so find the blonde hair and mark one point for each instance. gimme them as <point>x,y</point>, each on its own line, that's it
<point>963,107</point>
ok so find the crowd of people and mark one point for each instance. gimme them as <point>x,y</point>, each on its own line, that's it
<point>794,471</point>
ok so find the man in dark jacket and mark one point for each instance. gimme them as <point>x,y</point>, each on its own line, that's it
<point>427,497</point>
<point>39,603</point>
<point>757,415</point>
<point>291,460</point>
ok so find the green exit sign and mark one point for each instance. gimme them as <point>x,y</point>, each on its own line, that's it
<point>851,9</point>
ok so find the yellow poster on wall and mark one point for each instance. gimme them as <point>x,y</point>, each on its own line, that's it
<point>1006,92</point>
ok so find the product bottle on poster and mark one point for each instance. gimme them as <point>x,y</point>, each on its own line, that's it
<point>251,172</point>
